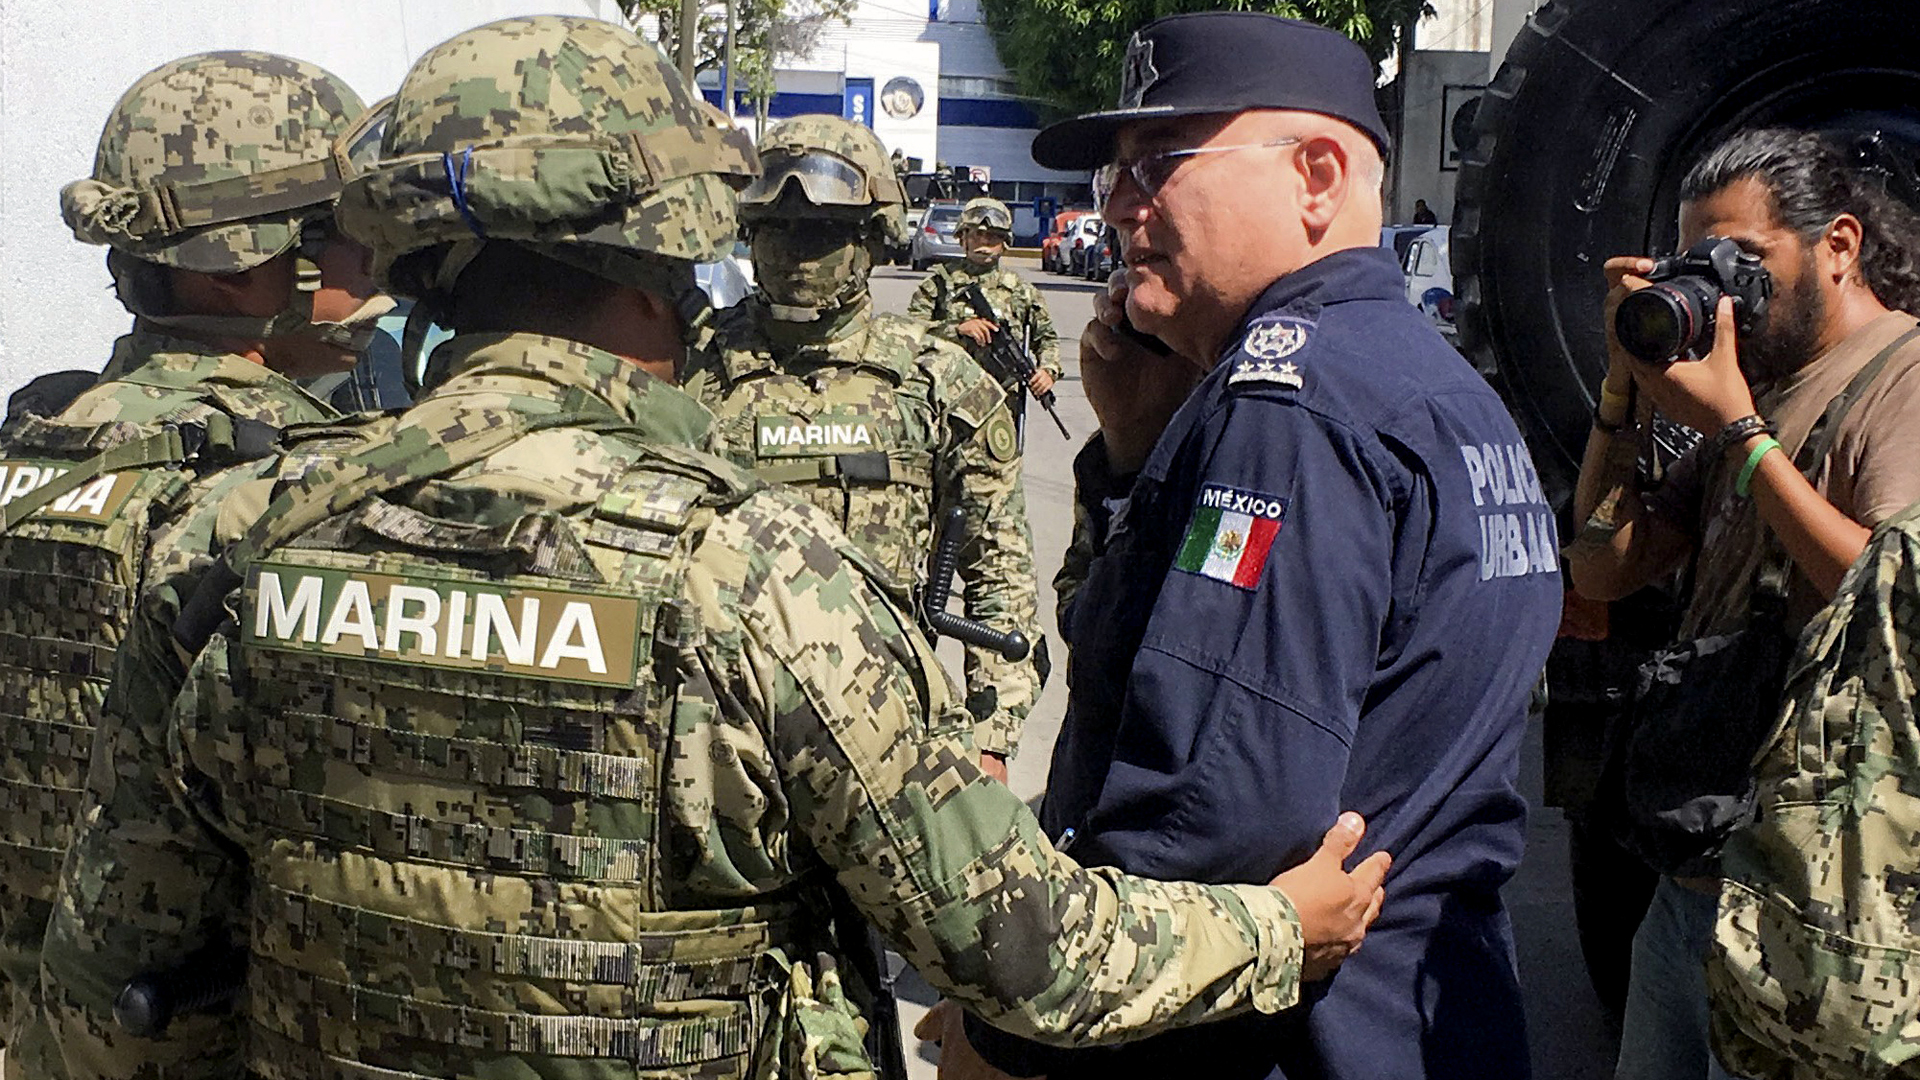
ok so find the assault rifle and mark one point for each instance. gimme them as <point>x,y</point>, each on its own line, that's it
<point>1008,359</point>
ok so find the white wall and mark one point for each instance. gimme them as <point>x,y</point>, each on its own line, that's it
<point>1421,167</point>
<point>64,64</point>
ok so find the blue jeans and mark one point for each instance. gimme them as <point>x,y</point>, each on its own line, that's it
<point>1664,1033</point>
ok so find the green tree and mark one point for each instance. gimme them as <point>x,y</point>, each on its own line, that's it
<point>1065,55</point>
<point>764,32</point>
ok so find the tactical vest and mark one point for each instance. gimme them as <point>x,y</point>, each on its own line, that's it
<point>858,439</point>
<point>70,574</point>
<point>450,768</point>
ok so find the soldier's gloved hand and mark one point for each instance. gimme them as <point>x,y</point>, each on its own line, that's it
<point>980,330</point>
<point>1335,906</point>
<point>945,1026</point>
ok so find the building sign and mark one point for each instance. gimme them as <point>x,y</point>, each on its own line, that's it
<point>858,103</point>
<point>902,98</point>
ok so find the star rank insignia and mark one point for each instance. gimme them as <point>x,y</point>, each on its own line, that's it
<point>1265,350</point>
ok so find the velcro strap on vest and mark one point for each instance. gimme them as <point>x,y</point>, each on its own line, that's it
<point>37,816</point>
<point>646,1043</point>
<point>472,761</point>
<point>868,468</point>
<point>484,847</point>
<point>676,965</point>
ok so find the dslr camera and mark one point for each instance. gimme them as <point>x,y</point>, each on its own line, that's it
<point>1672,319</point>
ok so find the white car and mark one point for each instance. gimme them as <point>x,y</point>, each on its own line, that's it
<point>1429,275</point>
<point>729,280</point>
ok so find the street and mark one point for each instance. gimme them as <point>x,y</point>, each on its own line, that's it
<point>1567,1031</point>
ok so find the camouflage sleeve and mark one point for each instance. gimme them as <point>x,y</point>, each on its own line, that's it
<point>1075,565</point>
<point>927,303</point>
<point>950,866</point>
<point>147,883</point>
<point>1045,341</point>
<point>978,470</point>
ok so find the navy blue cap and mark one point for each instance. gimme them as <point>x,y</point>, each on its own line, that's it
<point>1223,62</point>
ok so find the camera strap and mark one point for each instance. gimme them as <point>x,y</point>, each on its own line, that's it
<point>1770,578</point>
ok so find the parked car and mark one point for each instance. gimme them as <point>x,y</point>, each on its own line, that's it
<point>934,239</point>
<point>1398,238</point>
<point>1429,274</point>
<point>728,280</point>
<point>1086,233</point>
<point>1102,256</point>
<point>904,254</point>
<point>1050,245</point>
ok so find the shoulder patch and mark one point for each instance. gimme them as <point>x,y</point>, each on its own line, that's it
<point>1229,535</point>
<point>1265,353</point>
<point>1003,439</point>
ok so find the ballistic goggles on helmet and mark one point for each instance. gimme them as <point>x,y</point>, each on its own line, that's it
<point>987,217</point>
<point>826,178</point>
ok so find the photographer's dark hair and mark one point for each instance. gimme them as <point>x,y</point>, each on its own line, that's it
<point>1812,181</point>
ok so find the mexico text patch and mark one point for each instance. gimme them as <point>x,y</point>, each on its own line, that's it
<point>1230,534</point>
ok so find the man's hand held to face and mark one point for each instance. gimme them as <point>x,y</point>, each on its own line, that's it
<point>1134,393</point>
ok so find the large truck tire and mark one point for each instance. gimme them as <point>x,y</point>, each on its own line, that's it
<point>1580,145</point>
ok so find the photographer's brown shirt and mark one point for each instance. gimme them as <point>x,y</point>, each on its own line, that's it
<point>1872,473</point>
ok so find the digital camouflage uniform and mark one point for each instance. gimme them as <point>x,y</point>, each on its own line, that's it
<point>1017,305</point>
<point>1815,969</point>
<point>532,742</point>
<point>882,425</point>
<point>185,164</point>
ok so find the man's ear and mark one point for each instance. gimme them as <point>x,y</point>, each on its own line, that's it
<point>1326,175</point>
<point>1840,248</point>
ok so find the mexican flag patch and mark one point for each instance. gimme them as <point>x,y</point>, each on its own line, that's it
<point>1230,534</point>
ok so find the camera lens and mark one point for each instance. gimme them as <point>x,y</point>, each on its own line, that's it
<point>1652,325</point>
<point>1663,322</point>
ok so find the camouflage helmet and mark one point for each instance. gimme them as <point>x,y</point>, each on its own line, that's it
<point>834,163</point>
<point>215,162</point>
<point>986,213</point>
<point>569,135</point>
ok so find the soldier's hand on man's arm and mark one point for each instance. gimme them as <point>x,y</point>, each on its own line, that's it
<point>1335,907</point>
<point>945,1026</point>
<point>1133,392</point>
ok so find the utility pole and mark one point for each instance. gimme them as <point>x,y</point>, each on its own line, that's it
<point>689,38</point>
<point>726,87</point>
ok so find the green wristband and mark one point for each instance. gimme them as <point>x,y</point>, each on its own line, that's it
<point>1753,462</point>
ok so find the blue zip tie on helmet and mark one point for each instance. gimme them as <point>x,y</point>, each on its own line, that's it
<point>457,184</point>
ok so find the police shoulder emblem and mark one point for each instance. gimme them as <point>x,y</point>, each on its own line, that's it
<point>1264,352</point>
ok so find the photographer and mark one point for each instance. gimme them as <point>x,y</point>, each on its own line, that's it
<point>1836,342</point>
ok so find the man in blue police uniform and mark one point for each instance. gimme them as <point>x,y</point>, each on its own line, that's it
<point>1314,568</point>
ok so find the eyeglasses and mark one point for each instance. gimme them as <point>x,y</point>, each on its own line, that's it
<point>1151,172</point>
